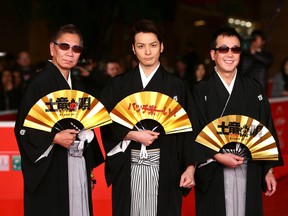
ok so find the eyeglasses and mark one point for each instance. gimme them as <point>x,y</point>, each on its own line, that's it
<point>225,49</point>
<point>66,46</point>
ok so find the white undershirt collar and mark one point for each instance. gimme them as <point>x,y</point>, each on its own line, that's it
<point>145,80</point>
<point>230,87</point>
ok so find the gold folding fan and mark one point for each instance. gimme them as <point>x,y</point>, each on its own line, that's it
<point>243,130</point>
<point>70,106</point>
<point>149,105</point>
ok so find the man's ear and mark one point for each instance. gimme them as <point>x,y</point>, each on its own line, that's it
<point>51,48</point>
<point>212,54</point>
<point>133,49</point>
<point>162,47</point>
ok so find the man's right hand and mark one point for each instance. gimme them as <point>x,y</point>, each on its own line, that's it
<point>229,160</point>
<point>66,137</point>
<point>145,137</point>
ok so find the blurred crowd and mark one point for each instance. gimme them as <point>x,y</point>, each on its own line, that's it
<point>95,74</point>
<point>16,71</point>
<point>15,74</point>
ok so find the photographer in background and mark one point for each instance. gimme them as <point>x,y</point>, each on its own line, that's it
<point>256,60</point>
<point>83,67</point>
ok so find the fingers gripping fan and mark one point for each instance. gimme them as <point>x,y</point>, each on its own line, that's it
<point>240,135</point>
<point>149,107</point>
<point>67,109</point>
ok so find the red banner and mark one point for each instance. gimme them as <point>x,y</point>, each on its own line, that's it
<point>279,108</point>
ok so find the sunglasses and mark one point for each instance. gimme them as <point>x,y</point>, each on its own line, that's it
<point>225,49</point>
<point>66,46</point>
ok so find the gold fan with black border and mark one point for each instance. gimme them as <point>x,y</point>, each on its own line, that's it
<point>151,110</point>
<point>240,135</point>
<point>65,109</point>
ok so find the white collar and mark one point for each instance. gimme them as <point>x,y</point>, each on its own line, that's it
<point>69,81</point>
<point>145,80</point>
<point>230,87</point>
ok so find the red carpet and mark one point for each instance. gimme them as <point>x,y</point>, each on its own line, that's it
<point>276,205</point>
<point>11,186</point>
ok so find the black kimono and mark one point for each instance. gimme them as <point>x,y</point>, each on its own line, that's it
<point>46,181</point>
<point>176,151</point>
<point>210,97</point>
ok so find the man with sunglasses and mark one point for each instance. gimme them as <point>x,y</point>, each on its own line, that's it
<point>227,184</point>
<point>56,175</point>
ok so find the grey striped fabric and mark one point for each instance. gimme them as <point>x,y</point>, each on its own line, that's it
<point>144,183</point>
<point>235,190</point>
<point>78,188</point>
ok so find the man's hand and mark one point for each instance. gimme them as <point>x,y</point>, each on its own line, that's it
<point>187,178</point>
<point>66,137</point>
<point>229,160</point>
<point>271,184</point>
<point>146,137</point>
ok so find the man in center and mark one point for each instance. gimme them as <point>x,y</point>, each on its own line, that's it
<point>152,186</point>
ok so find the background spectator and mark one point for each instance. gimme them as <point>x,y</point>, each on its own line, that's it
<point>24,66</point>
<point>181,68</point>
<point>256,60</point>
<point>19,83</point>
<point>9,96</point>
<point>280,82</point>
<point>130,62</point>
<point>198,73</point>
<point>113,67</point>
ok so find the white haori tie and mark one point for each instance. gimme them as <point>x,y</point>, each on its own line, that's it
<point>143,151</point>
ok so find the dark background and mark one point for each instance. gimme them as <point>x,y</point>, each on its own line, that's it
<point>105,24</point>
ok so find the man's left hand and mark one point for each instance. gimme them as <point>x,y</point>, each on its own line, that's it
<point>187,178</point>
<point>271,184</point>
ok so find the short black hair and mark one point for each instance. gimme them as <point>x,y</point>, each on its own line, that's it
<point>258,33</point>
<point>224,31</point>
<point>68,28</point>
<point>147,26</point>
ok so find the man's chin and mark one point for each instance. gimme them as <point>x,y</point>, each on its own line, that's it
<point>68,66</point>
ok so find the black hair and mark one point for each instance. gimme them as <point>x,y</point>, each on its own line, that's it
<point>147,26</point>
<point>258,33</point>
<point>68,28</point>
<point>224,31</point>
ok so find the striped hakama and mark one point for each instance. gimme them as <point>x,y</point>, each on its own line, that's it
<point>144,183</point>
<point>235,190</point>
<point>235,180</point>
<point>78,188</point>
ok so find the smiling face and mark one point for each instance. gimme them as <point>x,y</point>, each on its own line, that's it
<point>226,62</point>
<point>147,49</point>
<point>64,60</point>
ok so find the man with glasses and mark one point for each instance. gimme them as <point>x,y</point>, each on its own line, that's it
<point>56,180</point>
<point>227,184</point>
